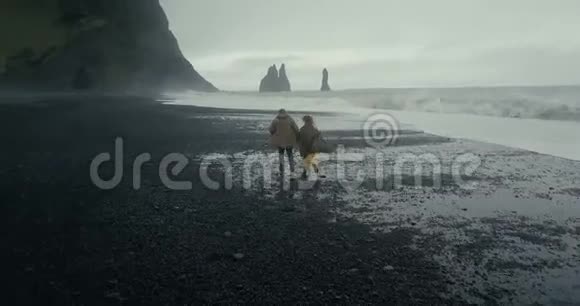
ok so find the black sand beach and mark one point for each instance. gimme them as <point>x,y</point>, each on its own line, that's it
<point>65,241</point>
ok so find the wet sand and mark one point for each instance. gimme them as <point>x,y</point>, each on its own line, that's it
<point>510,234</point>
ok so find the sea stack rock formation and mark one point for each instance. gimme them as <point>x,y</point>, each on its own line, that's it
<point>283,82</point>
<point>325,86</point>
<point>270,82</point>
<point>275,81</point>
<point>102,45</point>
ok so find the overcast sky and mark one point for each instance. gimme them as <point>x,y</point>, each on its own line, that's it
<point>381,43</point>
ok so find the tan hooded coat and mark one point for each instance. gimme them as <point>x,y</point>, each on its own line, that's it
<point>283,131</point>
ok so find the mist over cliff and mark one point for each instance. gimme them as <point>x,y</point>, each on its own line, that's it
<point>103,45</point>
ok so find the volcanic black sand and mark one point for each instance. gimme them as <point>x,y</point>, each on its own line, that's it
<point>65,241</point>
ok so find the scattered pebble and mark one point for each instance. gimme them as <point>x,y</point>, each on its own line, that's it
<point>238,256</point>
<point>113,295</point>
<point>388,268</point>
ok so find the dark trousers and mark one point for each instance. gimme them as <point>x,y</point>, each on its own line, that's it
<point>290,154</point>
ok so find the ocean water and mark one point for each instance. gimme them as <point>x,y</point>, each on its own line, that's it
<point>541,119</point>
<point>547,103</point>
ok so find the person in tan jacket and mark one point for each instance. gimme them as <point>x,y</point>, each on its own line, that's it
<point>284,137</point>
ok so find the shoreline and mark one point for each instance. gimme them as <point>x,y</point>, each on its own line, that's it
<point>69,242</point>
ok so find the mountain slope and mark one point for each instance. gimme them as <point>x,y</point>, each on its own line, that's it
<point>114,45</point>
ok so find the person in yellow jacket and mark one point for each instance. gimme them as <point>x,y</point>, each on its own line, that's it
<point>308,138</point>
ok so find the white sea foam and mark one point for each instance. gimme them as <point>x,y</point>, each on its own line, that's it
<point>543,120</point>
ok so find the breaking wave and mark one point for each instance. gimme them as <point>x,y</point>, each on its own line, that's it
<point>548,103</point>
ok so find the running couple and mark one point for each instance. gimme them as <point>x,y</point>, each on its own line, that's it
<point>285,136</point>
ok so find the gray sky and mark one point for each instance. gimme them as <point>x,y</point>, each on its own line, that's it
<point>381,43</point>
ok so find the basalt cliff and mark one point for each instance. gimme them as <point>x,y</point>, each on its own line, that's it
<point>101,45</point>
